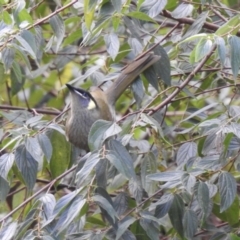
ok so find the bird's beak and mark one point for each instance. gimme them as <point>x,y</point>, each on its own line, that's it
<point>70,87</point>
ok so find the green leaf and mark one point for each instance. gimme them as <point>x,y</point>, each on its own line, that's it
<point>2,74</point>
<point>227,190</point>
<point>202,49</point>
<point>72,37</point>
<point>61,153</point>
<point>7,18</point>
<point>17,80</point>
<point>166,176</point>
<point>140,16</point>
<point>176,213</point>
<point>229,27</point>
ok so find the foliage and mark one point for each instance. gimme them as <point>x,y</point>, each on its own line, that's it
<point>168,168</point>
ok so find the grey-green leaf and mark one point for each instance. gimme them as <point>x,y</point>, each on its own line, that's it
<point>88,166</point>
<point>153,7</point>
<point>203,197</point>
<point>185,152</point>
<point>183,10</point>
<point>176,213</point>
<point>190,223</point>
<point>8,57</point>
<point>121,159</point>
<point>4,189</point>
<point>112,44</point>
<point>45,145</point>
<point>27,165</point>
<point>6,162</point>
<point>221,48</point>
<point>227,190</point>
<point>234,43</point>
<point>125,223</point>
<point>58,27</point>
<point>162,67</point>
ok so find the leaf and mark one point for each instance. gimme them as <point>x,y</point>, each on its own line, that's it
<point>104,203</point>
<point>6,162</point>
<point>197,25</point>
<point>100,131</point>
<point>150,226</point>
<point>64,201</point>
<point>112,44</point>
<point>140,16</point>
<point>202,49</point>
<point>72,212</point>
<point>136,46</point>
<point>8,57</point>
<point>229,27</point>
<point>48,204</point>
<point>45,145</point>
<point>61,153</point>
<point>163,205</point>
<point>125,223</point>
<point>88,166</point>
<point>203,197</point>
<point>138,91</point>
<point>162,67</point>
<point>26,46</point>
<point>227,190</point>
<point>153,7</point>
<point>166,176</point>
<point>117,5</point>
<point>33,147</point>
<point>190,223</point>
<point>135,189</point>
<point>188,181</point>
<point>4,189</point>
<point>27,166</point>
<point>234,43</point>
<point>17,80</point>
<point>176,213</point>
<point>120,203</point>
<point>182,10</point>
<point>30,39</point>
<point>120,158</point>
<point>58,27</point>
<point>185,152</point>
<point>7,232</point>
<point>101,173</point>
<point>221,48</point>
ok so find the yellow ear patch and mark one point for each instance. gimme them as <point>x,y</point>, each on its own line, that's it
<point>91,105</point>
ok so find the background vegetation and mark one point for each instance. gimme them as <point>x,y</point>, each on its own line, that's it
<point>168,168</point>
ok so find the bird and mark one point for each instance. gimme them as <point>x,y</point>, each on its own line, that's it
<point>89,106</point>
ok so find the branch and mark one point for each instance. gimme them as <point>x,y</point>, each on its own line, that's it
<point>33,110</point>
<point>188,79</point>
<point>37,193</point>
